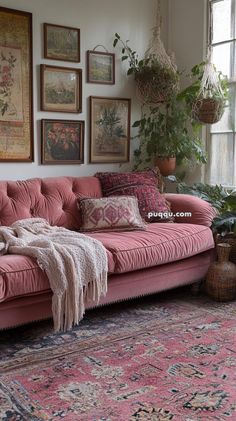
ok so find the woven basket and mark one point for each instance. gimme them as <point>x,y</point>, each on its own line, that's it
<point>208,110</point>
<point>231,240</point>
<point>221,276</point>
<point>149,90</point>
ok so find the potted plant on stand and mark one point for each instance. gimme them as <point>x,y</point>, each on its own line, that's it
<point>168,137</point>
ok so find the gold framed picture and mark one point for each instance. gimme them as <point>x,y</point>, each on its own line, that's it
<point>16,89</point>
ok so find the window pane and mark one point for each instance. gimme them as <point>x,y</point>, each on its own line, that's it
<point>227,122</point>
<point>221,58</point>
<point>221,152</point>
<point>221,21</point>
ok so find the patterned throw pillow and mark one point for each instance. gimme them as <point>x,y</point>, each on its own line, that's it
<point>143,185</point>
<point>117,213</point>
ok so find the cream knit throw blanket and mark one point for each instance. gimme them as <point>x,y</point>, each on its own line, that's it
<point>76,265</point>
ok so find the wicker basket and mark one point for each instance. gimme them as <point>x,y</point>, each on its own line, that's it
<point>221,276</point>
<point>231,240</point>
<point>151,91</point>
<point>208,110</point>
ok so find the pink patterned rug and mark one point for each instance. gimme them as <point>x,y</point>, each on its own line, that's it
<point>168,357</point>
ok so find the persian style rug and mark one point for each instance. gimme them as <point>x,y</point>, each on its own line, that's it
<point>167,357</point>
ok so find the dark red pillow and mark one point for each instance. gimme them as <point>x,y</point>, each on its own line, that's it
<point>143,185</point>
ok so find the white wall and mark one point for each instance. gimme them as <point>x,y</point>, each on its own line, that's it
<point>187,38</point>
<point>98,20</point>
<point>187,31</point>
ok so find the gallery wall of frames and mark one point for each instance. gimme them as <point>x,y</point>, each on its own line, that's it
<point>61,91</point>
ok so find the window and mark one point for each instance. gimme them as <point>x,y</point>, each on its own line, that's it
<point>222,135</point>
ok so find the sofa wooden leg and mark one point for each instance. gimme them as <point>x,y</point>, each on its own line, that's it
<point>196,288</point>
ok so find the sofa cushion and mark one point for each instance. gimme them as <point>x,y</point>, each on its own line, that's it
<point>116,213</point>
<point>21,275</point>
<point>53,198</point>
<point>159,244</point>
<point>143,185</point>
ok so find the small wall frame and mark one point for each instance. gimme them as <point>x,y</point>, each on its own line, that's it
<point>100,67</point>
<point>61,43</point>
<point>62,142</point>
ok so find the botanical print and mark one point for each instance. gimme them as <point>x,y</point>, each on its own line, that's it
<point>110,130</point>
<point>11,107</point>
<point>62,141</point>
<point>62,43</point>
<point>100,68</point>
<point>16,132</point>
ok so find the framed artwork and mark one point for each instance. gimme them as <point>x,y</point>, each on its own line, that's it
<point>100,67</point>
<point>61,89</point>
<point>62,142</point>
<point>61,42</point>
<point>16,89</point>
<point>109,129</point>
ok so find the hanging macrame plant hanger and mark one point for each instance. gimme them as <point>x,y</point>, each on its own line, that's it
<point>209,105</point>
<point>158,80</point>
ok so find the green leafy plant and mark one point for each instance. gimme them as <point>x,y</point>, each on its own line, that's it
<point>168,131</point>
<point>191,93</point>
<point>150,70</point>
<point>225,222</point>
<point>223,200</point>
<point>215,195</point>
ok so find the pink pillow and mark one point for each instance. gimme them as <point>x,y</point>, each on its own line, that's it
<point>111,214</point>
<point>143,185</point>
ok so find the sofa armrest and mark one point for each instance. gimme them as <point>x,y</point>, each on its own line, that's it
<point>201,211</point>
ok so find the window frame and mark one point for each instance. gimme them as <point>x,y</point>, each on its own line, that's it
<point>232,83</point>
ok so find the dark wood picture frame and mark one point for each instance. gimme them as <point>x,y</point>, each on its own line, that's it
<point>16,97</point>
<point>62,141</point>
<point>109,140</point>
<point>98,71</point>
<point>70,36</point>
<point>52,98</point>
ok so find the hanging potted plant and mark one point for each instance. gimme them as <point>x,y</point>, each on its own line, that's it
<point>167,137</point>
<point>208,94</point>
<point>156,75</point>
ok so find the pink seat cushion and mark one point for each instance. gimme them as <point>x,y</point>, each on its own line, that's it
<point>159,244</point>
<point>20,275</point>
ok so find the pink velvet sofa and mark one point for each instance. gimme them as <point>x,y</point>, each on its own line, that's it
<point>167,255</point>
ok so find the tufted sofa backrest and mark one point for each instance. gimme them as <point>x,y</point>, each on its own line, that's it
<point>54,199</point>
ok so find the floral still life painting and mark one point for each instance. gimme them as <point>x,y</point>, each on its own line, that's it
<point>16,92</point>
<point>62,142</point>
<point>110,129</point>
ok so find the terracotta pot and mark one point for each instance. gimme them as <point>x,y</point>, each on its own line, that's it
<point>166,165</point>
<point>221,276</point>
